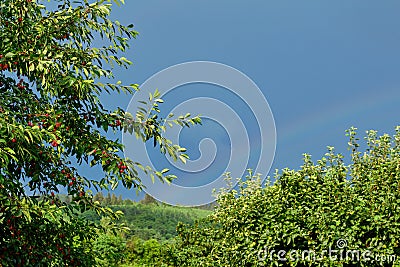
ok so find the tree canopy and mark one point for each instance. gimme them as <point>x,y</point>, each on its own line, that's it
<point>51,78</point>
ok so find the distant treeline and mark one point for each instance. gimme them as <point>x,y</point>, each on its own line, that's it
<point>110,199</point>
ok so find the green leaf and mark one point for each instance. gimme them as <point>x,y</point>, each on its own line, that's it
<point>183,159</point>
<point>9,54</point>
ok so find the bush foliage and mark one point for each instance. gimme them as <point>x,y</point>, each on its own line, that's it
<point>323,205</point>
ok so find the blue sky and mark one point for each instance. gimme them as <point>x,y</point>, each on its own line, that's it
<point>323,66</point>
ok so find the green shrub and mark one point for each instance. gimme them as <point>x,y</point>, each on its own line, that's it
<point>110,249</point>
<point>144,253</point>
<point>353,209</point>
<point>109,246</point>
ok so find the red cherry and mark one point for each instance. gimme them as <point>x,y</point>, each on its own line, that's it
<point>30,124</point>
<point>14,140</point>
<point>54,143</point>
<point>71,183</point>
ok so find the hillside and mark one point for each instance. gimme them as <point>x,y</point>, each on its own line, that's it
<point>153,220</point>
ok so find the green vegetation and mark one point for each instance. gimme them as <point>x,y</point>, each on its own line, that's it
<point>142,234</point>
<point>351,210</point>
<point>152,220</point>
<point>51,118</point>
<point>158,222</point>
<point>322,205</point>
<point>51,77</point>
